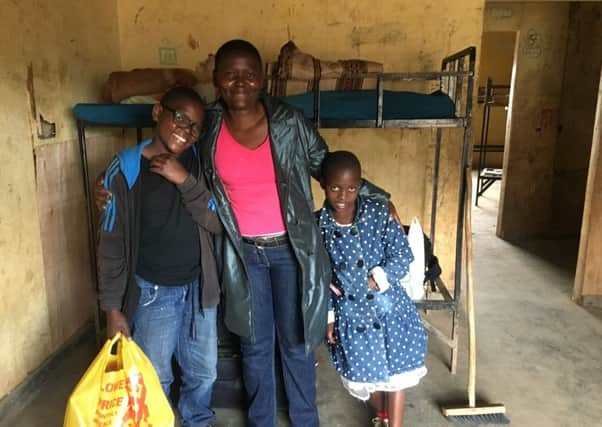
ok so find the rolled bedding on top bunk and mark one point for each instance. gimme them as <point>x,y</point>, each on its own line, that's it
<point>347,90</point>
<point>362,105</point>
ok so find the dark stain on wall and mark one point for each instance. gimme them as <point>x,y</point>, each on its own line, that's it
<point>386,33</point>
<point>138,14</point>
<point>31,91</point>
<point>544,120</point>
<point>192,42</point>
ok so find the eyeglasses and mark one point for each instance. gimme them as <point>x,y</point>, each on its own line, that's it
<point>183,122</point>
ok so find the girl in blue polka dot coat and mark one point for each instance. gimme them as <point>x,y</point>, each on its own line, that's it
<point>376,338</point>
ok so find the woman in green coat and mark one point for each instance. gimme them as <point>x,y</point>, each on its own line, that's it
<point>259,155</point>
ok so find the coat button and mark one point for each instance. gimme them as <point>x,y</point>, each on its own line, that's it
<point>360,329</point>
<point>342,265</point>
<point>351,297</point>
<point>376,325</point>
<point>337,234</point>
<point>360,263</point>
<point>370,296</point>
<point>353,231</point>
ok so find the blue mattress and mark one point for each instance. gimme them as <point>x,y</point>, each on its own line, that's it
<point>334,105</point>
<point>122,115</point>
<point>361,105</point>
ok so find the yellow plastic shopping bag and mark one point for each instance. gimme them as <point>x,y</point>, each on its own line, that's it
<point>119,390</point>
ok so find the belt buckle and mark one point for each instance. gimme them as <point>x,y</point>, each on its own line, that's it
<point>266,241</point>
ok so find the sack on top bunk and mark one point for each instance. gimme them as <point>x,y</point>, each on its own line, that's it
<point>296,72</point>
<point>145,81</point>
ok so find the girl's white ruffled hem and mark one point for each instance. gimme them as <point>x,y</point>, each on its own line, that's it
<point>397,382</point>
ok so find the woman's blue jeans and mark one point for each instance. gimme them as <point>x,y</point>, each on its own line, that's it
<point>276,317</point>
<point>167,323</point>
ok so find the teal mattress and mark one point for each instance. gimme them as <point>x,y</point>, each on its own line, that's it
<point>121,115</point>
<point>334,105</point>
<point>362,104</point>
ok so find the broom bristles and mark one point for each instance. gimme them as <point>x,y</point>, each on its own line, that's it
<point>483,414</point>
<point>479,419</point>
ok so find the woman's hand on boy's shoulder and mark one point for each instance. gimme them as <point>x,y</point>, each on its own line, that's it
<point>169,167</point>
<point>102,196</point>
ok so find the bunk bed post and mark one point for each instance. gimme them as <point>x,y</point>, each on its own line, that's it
<point>451,87</point>
<point>379,102</point>
<point>316,90</point>
<point>435,188</point>
<point>445,79</point>
<point>459,83</point>
<point>484,134</point>
<point>81,136</point>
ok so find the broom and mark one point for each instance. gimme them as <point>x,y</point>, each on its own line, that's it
<point>483,413</point>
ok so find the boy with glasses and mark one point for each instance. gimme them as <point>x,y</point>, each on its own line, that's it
<point>157,273</point>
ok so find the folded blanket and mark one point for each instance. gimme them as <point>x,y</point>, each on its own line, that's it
<point>297,72</point>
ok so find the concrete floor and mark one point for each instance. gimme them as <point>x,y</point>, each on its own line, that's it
<point>538,353</point>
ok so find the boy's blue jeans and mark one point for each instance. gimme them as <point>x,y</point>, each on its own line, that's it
<point>276,314</point>
<point>163,325</point>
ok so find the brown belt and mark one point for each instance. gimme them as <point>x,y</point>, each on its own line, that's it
<point>266,241</point>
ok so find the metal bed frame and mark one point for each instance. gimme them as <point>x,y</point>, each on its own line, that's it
<point>83,151</point>
<point>491,96</point>
<point>456,79</point>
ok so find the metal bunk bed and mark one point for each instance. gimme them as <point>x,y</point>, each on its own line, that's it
<point>456,80</point>
<point>491,96</point>
<point>104,115</point>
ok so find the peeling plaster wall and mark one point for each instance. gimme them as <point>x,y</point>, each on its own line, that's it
<point>531,134</point>
<point>53,55</point>
<point>404,35</point>
<point>580,86</point>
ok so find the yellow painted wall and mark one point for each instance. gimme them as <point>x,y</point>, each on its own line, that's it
<point>535,104</point>
<point>404,34</point>
<point>53,55</point>
<point>580,88</point>
<point>56,54</point>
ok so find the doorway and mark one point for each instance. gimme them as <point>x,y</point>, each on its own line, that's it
<point>494,87</point>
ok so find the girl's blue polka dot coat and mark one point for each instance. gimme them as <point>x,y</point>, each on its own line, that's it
<point>379,334</point>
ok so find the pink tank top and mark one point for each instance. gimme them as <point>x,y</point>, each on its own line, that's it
<point>250,183</point>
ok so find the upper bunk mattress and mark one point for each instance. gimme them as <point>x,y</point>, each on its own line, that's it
<point>362,105</point>
<point>123,115</point>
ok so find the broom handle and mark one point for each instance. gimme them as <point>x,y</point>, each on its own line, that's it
<point>472,336</point>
